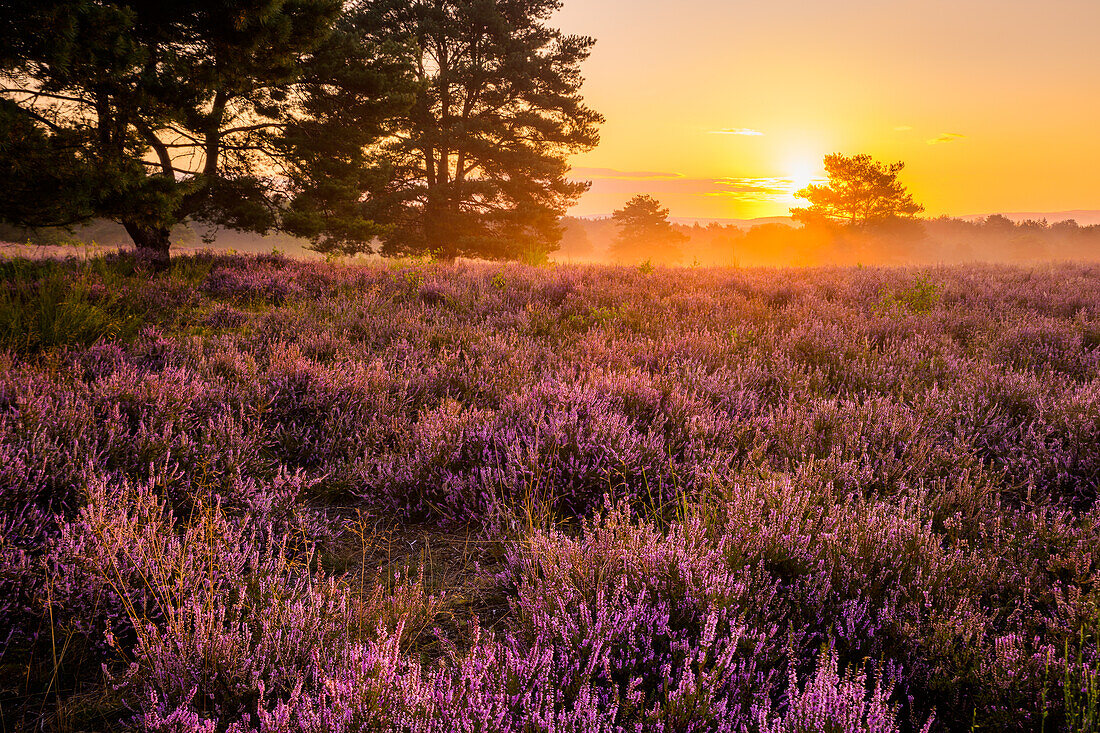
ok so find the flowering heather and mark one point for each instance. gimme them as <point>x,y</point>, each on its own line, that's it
<point>256,494</point>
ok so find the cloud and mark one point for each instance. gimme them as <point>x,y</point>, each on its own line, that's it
<point>613,174</point>
<point>903,128</point>
<point>770,189</point>
<point>737,131</point>
<point>947,137</point>
<point>768,186</point>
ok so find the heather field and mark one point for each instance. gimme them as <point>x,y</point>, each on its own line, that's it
<point>259,494</point>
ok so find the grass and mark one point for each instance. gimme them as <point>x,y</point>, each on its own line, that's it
<point>43,306</point>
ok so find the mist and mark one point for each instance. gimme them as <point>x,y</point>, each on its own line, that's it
<point>944,240</point>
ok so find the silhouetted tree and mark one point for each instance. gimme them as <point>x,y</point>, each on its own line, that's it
<point>478,165</point>
<point>149,113</point>
<point>645,233</point>
<point>860,191</point>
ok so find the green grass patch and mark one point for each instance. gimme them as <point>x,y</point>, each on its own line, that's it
<point>49,304</point>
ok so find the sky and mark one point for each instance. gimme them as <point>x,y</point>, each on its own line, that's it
<point>721,109</point>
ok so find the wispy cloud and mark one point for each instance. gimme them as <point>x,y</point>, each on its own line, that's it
<point>903,128</point>
<point>770,186</point>
<point>947,137</point>
<point>737,131</point>
<point>613,174</point>
<point>768,189</point>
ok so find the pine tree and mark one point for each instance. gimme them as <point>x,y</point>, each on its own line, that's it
<point>477,167</point>
<point>860,191</point>
<point>645,233</point>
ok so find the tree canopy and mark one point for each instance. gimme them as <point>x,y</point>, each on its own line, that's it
<point>433,126</point>
<point>859,191</point>
<point>149,113</point>
<point>478,164</point>
<point>645,233</point>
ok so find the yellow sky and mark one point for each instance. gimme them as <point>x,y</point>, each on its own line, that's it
<point>720,108</point>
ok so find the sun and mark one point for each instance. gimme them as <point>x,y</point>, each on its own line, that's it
<point>801,174</point>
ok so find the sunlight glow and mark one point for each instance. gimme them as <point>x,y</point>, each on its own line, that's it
<point>802,174</point>
<point>884,79</point>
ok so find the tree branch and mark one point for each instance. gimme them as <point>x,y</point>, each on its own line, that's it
<point>48,95</point>
<point>253,128</point>
<point>34,115</point>
<point>158,147</point>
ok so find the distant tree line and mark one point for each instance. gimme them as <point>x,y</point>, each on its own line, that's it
<point>925,241</point>
<point>428,126</point>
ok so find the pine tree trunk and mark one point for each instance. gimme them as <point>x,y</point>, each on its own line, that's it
<point>152,244</point>
<point>440,234</point>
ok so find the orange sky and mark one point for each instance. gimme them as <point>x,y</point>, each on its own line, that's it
<point>720,108</point>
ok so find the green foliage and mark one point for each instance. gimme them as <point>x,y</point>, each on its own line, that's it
<point>356,83</point>
<point>1081,680</point>
<point>43,237</point>
<point>605,316</point>
<point>860,191</point>
<point>921,297</point>
<point>152,114</point>
<point>45,184</point>
<point>43,306</point>
<point>191,271</point>
<point>478,165</point>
